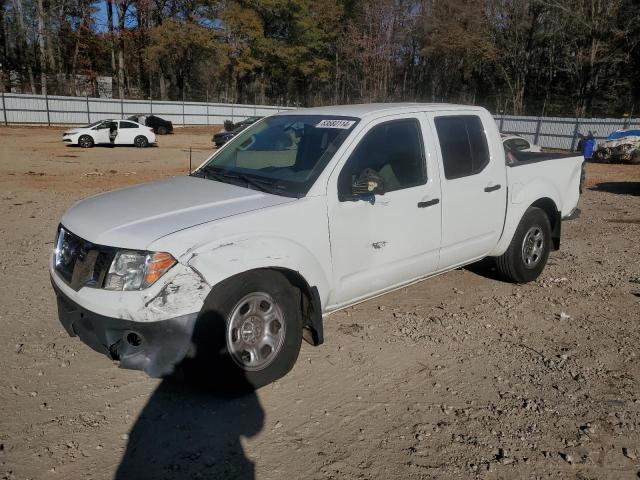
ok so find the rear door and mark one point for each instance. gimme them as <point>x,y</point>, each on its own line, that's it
<point>384,240</point>
<point>473,186</point>
<point>127,132</point>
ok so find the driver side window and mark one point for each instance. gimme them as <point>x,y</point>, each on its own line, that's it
<point>394,150</point>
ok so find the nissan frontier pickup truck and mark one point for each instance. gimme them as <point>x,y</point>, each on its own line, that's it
<point>305,212</point>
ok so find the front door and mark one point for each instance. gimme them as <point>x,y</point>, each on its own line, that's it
<point>381,241</point>
<point>101,133</point>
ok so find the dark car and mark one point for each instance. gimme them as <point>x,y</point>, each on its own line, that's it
<point>229,125</point>
<point>223,136</point>
<point>159,125</point>
<point>232,129</point>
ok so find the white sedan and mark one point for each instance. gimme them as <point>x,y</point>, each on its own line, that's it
<point>123,132</point>
<point>517,143</point>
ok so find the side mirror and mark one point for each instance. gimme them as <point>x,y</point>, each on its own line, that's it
<point>368,183</point>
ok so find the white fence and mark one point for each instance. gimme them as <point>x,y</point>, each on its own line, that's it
<point>58,110</point>
<point>550,132</point>
<point>561,133</point>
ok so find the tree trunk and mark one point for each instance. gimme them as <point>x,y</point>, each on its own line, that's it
<point>163,87</point>
<point>122,11</point>
<point>4,70</point>
<point>111,38</point>
<point>23,49</point>
<point>42,44</point>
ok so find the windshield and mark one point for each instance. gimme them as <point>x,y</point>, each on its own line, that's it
<point>283,154</point>
<point>91,125</point>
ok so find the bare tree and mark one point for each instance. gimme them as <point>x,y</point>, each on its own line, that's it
<point>23,47</point>
<point>42,43</point>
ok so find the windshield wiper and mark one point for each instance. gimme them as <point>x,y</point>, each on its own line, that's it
<point>258,184</point>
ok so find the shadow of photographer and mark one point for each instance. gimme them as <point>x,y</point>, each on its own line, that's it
<point>194,429</point>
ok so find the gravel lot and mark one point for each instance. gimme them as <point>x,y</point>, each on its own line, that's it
<point>461,376</point>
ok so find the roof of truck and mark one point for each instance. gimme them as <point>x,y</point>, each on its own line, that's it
<point>372,109</point>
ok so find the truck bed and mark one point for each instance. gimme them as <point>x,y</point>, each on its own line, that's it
<point>560,170</point>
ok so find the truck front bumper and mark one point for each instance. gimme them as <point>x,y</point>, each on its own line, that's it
<point>154,347</point>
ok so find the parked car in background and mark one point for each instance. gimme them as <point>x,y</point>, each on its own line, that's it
<point>229,125</point>
<point>620,146</point>
<point>518,144</point>
<point>231,129</point>
<point>126,132</point>
<point>304,213</point>
<point>159,125</point>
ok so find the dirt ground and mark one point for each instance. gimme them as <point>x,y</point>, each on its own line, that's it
<point>461,376</point>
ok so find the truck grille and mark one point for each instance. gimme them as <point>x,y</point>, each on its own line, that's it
<point>81,263</point>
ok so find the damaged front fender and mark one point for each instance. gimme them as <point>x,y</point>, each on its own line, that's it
<point>184,293</point>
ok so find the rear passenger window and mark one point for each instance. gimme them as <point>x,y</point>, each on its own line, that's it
<point>128,125</point>
<point>463,145</point>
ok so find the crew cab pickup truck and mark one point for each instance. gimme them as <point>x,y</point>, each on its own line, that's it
<point>226,270</point>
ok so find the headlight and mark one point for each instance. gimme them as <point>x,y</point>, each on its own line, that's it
<point>131,270</point>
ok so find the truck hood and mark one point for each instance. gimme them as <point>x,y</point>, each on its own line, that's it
<point>136,216</point>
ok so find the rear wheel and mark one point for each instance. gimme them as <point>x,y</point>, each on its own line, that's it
<point>141,141</point>
<point>529,249</point>
<point>85,141</point>
<point>248,333</point>
<point>635,158</point>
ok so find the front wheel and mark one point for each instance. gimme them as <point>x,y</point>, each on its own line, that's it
<point>248,333</point>
<point>85,141</point>
<point>529,249</point>
<point>635,158</point>
<point>162,130</point>
<point>141,142</point>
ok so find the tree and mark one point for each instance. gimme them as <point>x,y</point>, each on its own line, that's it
<point>176,48</point>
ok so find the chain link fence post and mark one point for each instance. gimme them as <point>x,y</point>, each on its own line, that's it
<point>575,134</point>
<point>537,137</point>
<point>46,106</point>
<point>4,111</point>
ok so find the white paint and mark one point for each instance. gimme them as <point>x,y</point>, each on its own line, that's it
<point>217,230</point>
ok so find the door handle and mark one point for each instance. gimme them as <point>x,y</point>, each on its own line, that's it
<point>493,188</point>
<point>428,203</point>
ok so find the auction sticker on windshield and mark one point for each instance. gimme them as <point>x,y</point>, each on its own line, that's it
<point>343,124</point>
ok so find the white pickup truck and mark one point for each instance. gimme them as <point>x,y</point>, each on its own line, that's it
<point>303,213</point>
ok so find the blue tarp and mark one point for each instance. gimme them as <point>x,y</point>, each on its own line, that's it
<point>623,133</point>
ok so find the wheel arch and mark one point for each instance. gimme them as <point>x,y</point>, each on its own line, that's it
<point>515,213</point>
<point>310,306</point>
<point>549,207</point>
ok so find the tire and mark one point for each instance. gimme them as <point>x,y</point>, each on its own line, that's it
<point>162,130</point>
<point>141,141</point>
<point>529,249</point>
<point>231,350</point>
<point>635,158</point>
<point>85,141</point>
